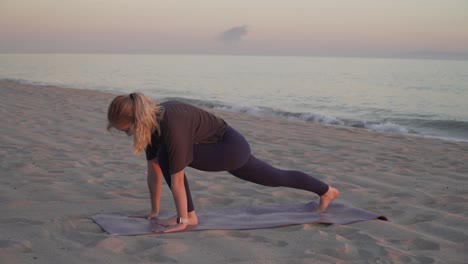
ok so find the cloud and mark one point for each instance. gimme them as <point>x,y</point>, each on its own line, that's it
<point>233,35</point>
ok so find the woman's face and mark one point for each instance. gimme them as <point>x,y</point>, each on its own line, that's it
<point>127,128</point>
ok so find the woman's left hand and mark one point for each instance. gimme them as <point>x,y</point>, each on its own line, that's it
<point>172,228</point>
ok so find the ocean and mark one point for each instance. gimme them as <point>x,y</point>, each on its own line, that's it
<point>426,98</point>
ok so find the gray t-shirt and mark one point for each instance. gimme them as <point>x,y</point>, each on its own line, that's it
<point>182,126</point>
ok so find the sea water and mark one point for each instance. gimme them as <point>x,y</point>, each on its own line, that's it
<point>421,97</point>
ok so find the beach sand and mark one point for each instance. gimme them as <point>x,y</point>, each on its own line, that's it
<point>60,166</point>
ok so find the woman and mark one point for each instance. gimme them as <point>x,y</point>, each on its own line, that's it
<point>175,135</point>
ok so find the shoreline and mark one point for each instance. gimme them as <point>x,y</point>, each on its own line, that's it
<point>60,166</point>
<point>386,127</point>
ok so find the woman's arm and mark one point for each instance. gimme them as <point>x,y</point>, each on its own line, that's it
<point>180,200</point>
<point>178,192</point>
<point>154,180</point>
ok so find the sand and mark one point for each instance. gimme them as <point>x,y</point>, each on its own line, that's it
<point>59,166</point>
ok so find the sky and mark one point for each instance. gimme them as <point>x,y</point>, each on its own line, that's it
<point>253,27</point>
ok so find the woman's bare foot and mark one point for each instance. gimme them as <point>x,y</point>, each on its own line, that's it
<point>192,216</point>
<point>328,197</point>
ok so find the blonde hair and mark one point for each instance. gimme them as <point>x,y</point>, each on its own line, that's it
<point>140,111</point>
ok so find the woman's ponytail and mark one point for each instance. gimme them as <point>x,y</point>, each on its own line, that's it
<point>146,120</point>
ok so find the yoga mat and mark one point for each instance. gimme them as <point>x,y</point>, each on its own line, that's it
<point>265,216</point>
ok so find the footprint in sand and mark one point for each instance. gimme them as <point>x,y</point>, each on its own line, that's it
<point>422,244</point>
<point>15,246</point>
<point>257,239</point>
<point>20,220</point>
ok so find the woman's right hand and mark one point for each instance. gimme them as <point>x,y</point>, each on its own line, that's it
<point>152,215</point>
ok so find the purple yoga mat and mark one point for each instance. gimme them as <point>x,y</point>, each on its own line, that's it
<point>119,224</point>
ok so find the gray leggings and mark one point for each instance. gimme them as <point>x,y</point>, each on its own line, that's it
<point>233,154</point>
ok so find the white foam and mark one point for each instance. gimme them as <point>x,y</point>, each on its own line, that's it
<point>251,110</point>
<point>388,127</point>
<point>320,118</point>
<point>308,117</point>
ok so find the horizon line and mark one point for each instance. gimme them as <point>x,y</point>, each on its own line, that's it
<point>424,55</point>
